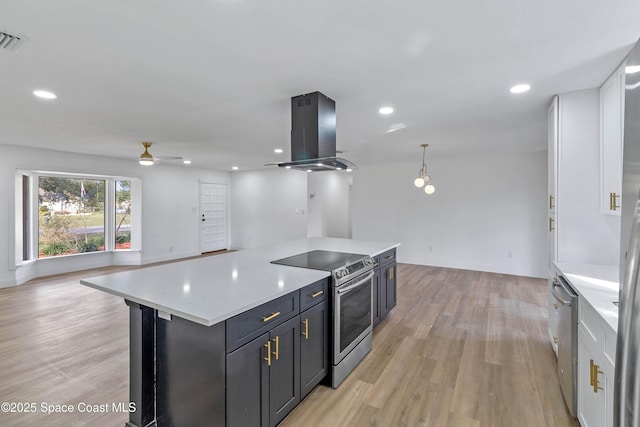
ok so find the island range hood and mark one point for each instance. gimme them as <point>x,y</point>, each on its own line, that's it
<point>313,135</point>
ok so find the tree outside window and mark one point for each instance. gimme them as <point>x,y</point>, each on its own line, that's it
<point>71,217</point>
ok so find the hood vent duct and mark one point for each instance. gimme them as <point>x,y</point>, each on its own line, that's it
<point>313,135</point>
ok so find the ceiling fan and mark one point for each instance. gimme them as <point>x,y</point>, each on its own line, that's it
<point>147,159</point>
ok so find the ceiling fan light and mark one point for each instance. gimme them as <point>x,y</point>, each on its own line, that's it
<point>146,159</point>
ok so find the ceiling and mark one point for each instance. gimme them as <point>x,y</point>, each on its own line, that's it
<point>211,80</point>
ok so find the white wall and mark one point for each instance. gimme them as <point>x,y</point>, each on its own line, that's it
<point>584,234</point>
<point>170,204</point>
<point>267,206</point>
<point>488,212</point>
<point>328,204</point>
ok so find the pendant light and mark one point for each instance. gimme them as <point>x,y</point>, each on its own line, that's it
<point>146,159</point>
<point>423,178</point>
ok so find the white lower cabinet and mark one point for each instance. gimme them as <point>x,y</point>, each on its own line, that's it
<point>596,353</point>
<point>553,314</point>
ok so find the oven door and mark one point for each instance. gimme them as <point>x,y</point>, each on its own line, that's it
<point>352,316</point>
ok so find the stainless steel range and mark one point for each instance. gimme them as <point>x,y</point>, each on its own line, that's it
<point>352,319</point>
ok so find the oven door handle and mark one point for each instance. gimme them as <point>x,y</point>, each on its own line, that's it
<point>356,285</point>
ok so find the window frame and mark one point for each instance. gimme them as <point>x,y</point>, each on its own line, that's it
<point>27,227</point>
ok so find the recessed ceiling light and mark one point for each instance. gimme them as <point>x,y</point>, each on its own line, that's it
<point>278,150</point>
<point>187,162</point>
<point>631,69</point>
<point>385,110</point>
<point>309,170</point>
<point>349,170</point>
<point>235,168</point>
<point>44,94</point>
<point>287,167</point>
<point>520,88</point>
<point>338,169</point>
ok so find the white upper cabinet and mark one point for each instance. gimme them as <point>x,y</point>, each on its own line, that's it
<point>611,141</point>
<point>552,201</point>
<point>552,140</point>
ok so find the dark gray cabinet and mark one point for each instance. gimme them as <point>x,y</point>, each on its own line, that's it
<point>284,372</point>
<point>314,346</point>
<point>263,377</point>
<point>384,298</point>
<point>376,294</point>
<point>248,385</point>
<point>273,353</point>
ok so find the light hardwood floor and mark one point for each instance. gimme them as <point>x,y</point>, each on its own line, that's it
<point>461,348</point>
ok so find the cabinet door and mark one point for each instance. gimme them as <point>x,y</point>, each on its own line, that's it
<point>314,347</point>
<point>552,317</point>
<point>552,141</point>
<point>611,141</point>
<point>387,294</point>
<point>591,402</point>
<point>382,294</point>
<point>284,372</point>
<point>376,298</point>
<point>390,274</point>
<point>248,385</point>
<point>552,224</point>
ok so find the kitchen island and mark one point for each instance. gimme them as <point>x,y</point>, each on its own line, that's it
<point>181,347</point>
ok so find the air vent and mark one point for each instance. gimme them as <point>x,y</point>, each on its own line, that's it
<point>9,42</point>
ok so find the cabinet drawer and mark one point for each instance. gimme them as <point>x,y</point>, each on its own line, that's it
<point>314,293</point>
<point>387,257</point>
<point>251,324</point>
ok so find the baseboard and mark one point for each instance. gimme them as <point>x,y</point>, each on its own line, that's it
<point>169,257</point>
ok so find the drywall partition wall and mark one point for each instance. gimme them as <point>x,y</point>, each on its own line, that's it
<point>170,200</point>
<point>329,204</point>
<point>267,206</point>
<point>487,213</point>
<point>584,234</point>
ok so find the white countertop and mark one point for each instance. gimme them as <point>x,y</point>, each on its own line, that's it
<point>598,285</point>
<point>211,289</point>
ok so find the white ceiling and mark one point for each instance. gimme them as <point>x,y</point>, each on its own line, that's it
<point>211,80</point>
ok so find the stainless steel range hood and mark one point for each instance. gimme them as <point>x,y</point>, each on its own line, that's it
<point>313,135</point>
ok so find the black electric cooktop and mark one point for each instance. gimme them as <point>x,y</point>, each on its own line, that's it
<point>320,260</point>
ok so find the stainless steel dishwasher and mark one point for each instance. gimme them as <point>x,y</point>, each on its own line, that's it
<point>567,341</point>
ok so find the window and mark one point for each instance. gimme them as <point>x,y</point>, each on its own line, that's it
<point>67,214</point>
<point>70,216</point>
<point>123,215</point>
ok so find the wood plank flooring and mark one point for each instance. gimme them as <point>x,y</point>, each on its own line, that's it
<point>461,348</point>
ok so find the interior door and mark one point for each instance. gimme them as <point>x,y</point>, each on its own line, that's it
<point>213,217</point>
